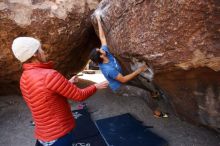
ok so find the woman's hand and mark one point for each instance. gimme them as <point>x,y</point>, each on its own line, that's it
<point>102,85</point>
<point>74,79</point>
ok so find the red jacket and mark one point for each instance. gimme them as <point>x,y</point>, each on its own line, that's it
<point>46,92</point>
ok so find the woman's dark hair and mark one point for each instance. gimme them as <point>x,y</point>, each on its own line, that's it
<point>95,56</point>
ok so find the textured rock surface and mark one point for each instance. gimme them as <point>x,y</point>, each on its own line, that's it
<point>63,26</point>
<point>181,40</point>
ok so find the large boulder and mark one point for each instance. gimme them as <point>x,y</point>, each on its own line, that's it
<point>180,40</point>
<point>63,26</point>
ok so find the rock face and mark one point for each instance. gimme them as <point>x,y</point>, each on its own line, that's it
<point>63,26</point>
<point>180,40</point>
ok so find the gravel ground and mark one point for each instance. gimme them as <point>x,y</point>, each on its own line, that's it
<point>16,129</point>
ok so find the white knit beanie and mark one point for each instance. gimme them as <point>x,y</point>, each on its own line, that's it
<point>25,47</point>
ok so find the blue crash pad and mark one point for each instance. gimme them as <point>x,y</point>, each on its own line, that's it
<point>125,130</point>
<point>86,132</point>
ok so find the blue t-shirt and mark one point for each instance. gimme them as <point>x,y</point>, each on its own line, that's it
<point>111,69</point>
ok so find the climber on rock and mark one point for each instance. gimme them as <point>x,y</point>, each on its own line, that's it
<point>46,92</point>
<point>112,71</point>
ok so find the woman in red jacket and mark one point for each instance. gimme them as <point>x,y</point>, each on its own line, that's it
<point>46,92</point>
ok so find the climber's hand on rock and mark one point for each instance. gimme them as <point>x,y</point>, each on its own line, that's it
<point>143,68</point>
<point>98,18</point>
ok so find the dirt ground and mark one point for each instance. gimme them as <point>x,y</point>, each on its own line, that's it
<point>16,129</point>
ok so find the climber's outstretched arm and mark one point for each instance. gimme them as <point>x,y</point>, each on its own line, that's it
<point>101,32</point>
